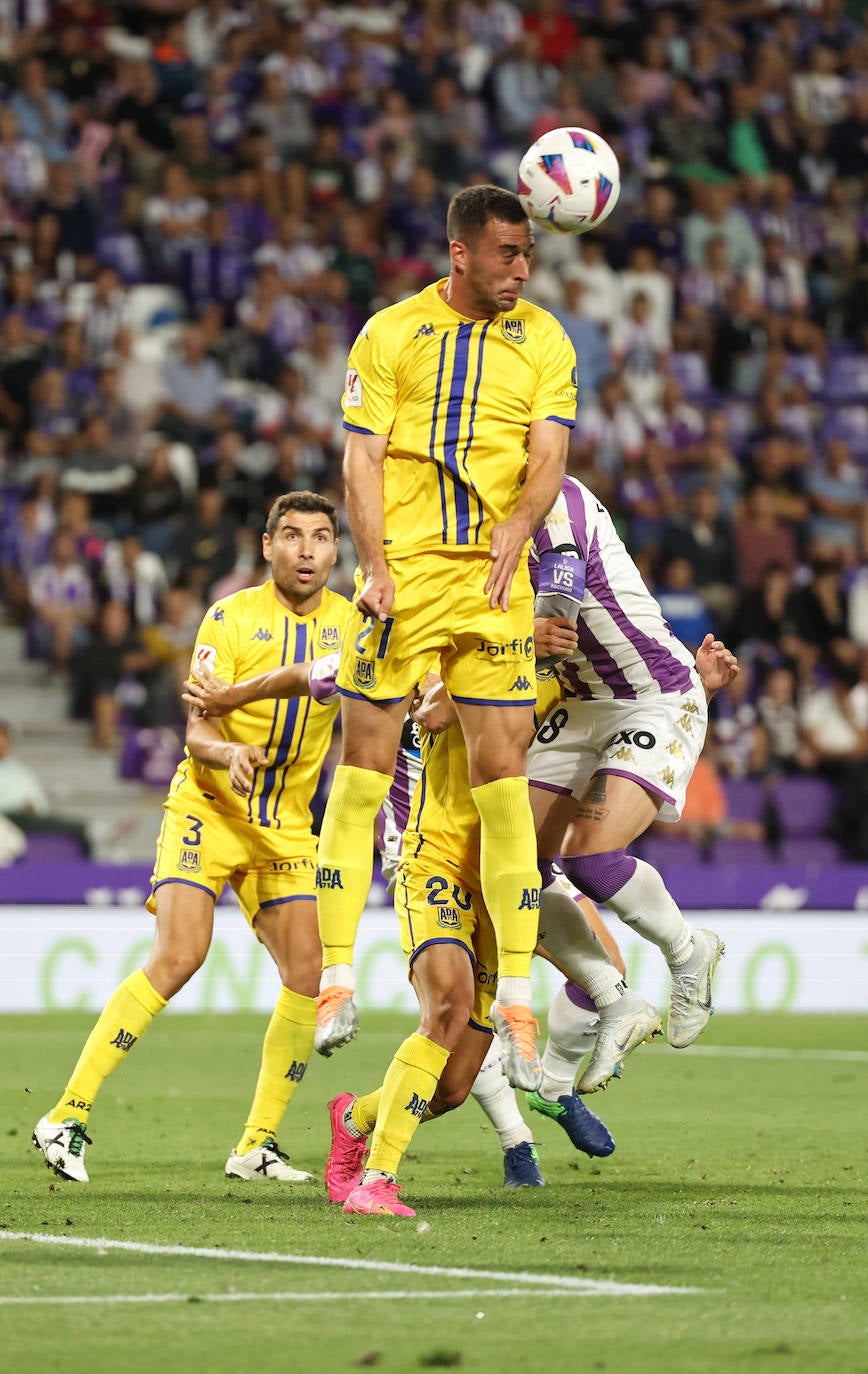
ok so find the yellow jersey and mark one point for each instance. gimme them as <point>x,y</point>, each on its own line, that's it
<point>241,636</point>
<point>455,397</point>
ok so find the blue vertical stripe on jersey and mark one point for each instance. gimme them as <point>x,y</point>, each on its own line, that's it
<point>274,718</point>
<point>480,509</point>
<point>270,776</point>
<point>453,431</point>
<point>432,442</point>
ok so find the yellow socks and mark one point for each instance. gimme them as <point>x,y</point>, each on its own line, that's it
<point>364,1111</point>
<point>407,1089</point>
<point>125,1017</point>
<point>345,863</point>
<point>509,872</point>
<point>285,1054</point>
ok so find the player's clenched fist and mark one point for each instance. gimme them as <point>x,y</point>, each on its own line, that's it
<point>244,759</point>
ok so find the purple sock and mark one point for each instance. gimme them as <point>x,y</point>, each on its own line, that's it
<point>545,872</point>
<point>599,875</point>
<point>579,997</point>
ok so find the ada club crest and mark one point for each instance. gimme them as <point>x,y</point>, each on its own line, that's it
<point>364,674</point>
<point>330,637</point>
<point>512,329</point>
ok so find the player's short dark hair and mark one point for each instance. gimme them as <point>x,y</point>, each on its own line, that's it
<point>471,209</point>
<point>308,502</point>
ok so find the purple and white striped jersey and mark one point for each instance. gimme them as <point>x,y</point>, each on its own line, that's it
<point>395,811</point>
<point>626,649</point>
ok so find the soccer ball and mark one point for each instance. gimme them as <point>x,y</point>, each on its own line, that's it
<point>569,181</point>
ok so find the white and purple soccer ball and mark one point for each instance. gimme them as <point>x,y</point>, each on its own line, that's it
<point>569,181</point>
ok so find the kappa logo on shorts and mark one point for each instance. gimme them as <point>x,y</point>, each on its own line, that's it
<point>675,748</point>
<point>365,674</point>
<point>513,330</point>
<point>189,861</point>
<point>521,684</point>
<point>624,754</point>
<point>330,637</point>
<point>667,775</point>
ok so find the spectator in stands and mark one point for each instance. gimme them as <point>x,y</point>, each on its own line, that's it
<point>24,547</point>
<point>61,598</point>
<point>205,548</point>
<point>759,618</point>
<point>114,656</point>
<point>134,577</point>
<point>682,606</point>
<point>586,336</point>
<point>705,538</point>
<point>157,500</point>
<point>837,496</point>
<point>193,410</point>
<point>102,469</point>
<point>816,619</point>
<point>607,433</point>
<point>761,537</point>
<point>778,715</point>
<point>42,115</point>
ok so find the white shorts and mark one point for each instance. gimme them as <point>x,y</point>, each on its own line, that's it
<point>654,741</point>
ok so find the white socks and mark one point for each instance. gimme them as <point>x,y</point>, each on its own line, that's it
<point>497,1099</point>
<point>565,933</point>
<point>644,903</point>
<point>572,1032</point>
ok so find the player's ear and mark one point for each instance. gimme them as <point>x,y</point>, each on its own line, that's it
<point>266,547</point>
<point>458,256</point>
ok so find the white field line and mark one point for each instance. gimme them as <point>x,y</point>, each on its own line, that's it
<point>758,1052</point>
<point>368,1296</point>
<point>564,1282</point>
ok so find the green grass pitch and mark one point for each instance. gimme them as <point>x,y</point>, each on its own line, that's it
<point>739,1174</point>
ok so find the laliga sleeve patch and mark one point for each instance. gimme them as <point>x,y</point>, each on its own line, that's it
<point>206,656</point>
<point>352,390</point>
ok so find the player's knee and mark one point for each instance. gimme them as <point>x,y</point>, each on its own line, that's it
<point>599,876</point>
<point>445,1018</point>
<point>169,970</point>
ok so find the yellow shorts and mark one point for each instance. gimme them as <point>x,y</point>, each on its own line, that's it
<point>205,848</point>
<point>442,623</point>
<point>433,908</point>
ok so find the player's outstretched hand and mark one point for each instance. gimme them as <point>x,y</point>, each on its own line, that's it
<point>377,594</point>
<point>243,761</point>
<point>716,664</point>
<point>508,540</point>
<point>209,693</point>
<point>554,638</point>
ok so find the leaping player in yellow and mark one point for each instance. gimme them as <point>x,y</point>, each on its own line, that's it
<point>238,812</point>
<point>457,406</point>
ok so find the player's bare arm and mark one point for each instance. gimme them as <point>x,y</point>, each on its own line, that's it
<point>215,697</point>
<point>546,464</point>
<point>364,458</point>
<point>716,665</point>
<point>208,746</point>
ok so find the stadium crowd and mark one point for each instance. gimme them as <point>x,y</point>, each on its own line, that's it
<point>200,204</point>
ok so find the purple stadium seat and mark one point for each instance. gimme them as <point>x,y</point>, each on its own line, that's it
<point>746,799</point>
<point>691,372</point>
<point>659,852</point>
<point>805,806</point>
<point>805,849</point>
<point>48,847</point>
<point>739,853</point>
<point>847,379</point>
<point>849,423</point>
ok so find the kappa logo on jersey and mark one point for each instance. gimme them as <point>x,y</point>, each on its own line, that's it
<point>263,634</point>
<point>417,1106</point>
<point>643,739</point>
<point>365,674</point>
<point>424,331</point>
<point>329,877</point>
<point>352,390</point>
<point>206,656</point>
<point>529,899</point>
<point>189,861</point>
<point>521,684</point>
<point>218,614</point>
<point>124,1040</point>
<point>330,637</point>
<point>295,1072</point>
<point>513,330</point>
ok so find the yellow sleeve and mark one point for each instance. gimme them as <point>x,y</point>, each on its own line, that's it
<point>217,643</point>
<point>556,395</point>
<point>371,387</point>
